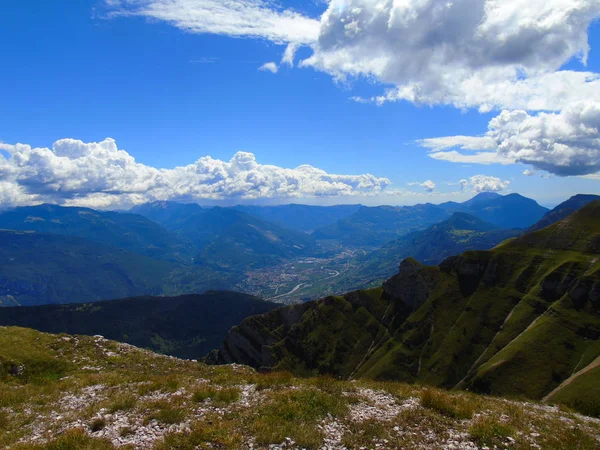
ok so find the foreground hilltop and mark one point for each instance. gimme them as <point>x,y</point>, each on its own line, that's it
<point>77,392</point>
<point>520,320</point>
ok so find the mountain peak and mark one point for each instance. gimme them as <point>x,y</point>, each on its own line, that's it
<point>481,197</point>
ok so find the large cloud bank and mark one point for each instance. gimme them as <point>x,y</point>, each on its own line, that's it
<point>565,143</point>
<point>505,55</point>
<point>103,176</point>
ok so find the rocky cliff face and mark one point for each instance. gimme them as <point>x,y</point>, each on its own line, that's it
<point>516,320</point>
<point>413,283</point>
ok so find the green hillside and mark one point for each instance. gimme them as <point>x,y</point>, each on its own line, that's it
<point>564,209</point>
<point>517,321</point>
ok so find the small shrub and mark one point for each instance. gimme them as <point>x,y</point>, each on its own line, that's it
<point>328,384</point>
<point>456,407</point>
<point>97,424</point>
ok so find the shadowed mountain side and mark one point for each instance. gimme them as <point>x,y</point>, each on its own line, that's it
<point>517,320</point>
<point>46,268</point>
<point>564,209</point>
<point>188,326</point>
<point>39,268</point>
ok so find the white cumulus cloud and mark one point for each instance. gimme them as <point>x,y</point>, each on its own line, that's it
<point>237,18</point>
<point>269,67</point>
<point>486,183</point>
<point>565,143</point>
<point>428,185</point>
<point>99,174</point>
<point>468,53</point>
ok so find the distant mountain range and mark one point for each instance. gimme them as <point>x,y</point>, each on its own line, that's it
<point>304,218</point>
<point>188,326</point>
<point>522,319</point>
<point>126,231</point>
<point>229,238</point>
<point>68,254</point>
<point>455,235</point>
<point>375,226</point>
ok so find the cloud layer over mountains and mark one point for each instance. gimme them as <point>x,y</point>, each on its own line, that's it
<point>101,175</point>
<point>504,55</point>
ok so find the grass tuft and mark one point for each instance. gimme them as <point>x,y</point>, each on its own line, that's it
<point>222,396</point>
<point>273,380</point>
<point>489,431</point>
<point>454,406</point>
<point>124,402</point>
<point>165,413</point>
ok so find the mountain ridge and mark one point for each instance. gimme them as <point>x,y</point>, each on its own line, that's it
<point>187,326</point>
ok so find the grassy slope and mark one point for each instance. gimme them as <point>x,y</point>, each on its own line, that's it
<point>62,392</point>
<point>517,320</point>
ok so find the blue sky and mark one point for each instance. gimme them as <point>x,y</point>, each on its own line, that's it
<point>169,96</point>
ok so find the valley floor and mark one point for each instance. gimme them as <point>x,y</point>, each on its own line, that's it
<point>76,392</point>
